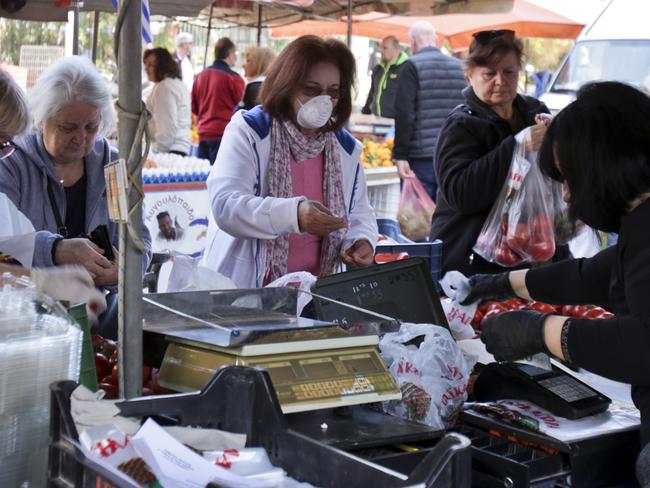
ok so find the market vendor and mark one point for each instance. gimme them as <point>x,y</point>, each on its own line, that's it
<point>476,145</point>
<point>599,146</point>
<point>287,190</point>
<point>55,177</point>
<point>63,283</point>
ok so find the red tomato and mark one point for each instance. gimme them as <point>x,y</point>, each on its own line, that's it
<point>386,257</point>
<point>113,358</point>
<point>110,389</point>
<point>519,239</point>
<point>108,348</point>
<point>146,374</point>
<point>102,367</point>
<point>542,245</point>
<point>542,307</point>
<point>147,391</point>
<point>494,309</point>
<point>97,343</point>
<point>108,379</point>
<point>514,304</point>
<point>477,319</point>
<point>505,256</point>
<point>115,374</point>
<point>540,251</point>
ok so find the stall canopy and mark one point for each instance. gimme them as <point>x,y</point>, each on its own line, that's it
<point>526,19</point>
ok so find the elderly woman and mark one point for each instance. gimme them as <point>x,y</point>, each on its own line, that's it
<point>56,175</point>
<point>599,147</point>
<point>169,102</point>
<point>258,60</point>
<point>66,283</point>
<point>287,190</point>
<point>476,145</point>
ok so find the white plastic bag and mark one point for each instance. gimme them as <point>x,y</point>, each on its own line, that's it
<point>302,280</point>
<point>187,275</point>
<point>432,376</point>
<point>456,287</point>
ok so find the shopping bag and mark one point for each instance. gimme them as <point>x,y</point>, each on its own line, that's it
<point>521,226</point>
<point>415,210</point>
<point>432,376</point>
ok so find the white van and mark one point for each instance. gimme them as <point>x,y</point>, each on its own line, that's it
<point>616,46</point>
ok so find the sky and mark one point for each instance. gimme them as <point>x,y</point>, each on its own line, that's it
<point>584,11</point>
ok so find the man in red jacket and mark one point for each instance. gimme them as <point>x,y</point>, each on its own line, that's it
<point>216,92</point>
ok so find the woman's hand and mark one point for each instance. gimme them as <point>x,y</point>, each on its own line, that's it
<point>314,218</point>
<point>358,255</point>
<point>109,276</point>
<point>404,169</point>
<point>537,133</point>
<point>84,253</point>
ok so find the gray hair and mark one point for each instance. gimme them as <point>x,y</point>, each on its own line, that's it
<point>14,112</point>
<point>183,38</point>
<point>423,33</point>
<point>72,79</point>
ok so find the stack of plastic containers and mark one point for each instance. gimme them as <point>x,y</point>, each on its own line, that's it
<point>39,344</point>
<point>173,168</point>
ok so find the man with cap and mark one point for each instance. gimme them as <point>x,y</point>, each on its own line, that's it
<point>183,57</point>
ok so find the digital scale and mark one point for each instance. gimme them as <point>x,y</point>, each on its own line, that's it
<point>313,364</point>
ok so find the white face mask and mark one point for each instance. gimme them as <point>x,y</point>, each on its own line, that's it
<point>315,113</point>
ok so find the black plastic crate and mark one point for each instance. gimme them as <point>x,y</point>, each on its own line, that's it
<point>431,252</point>
<point>242,399</point>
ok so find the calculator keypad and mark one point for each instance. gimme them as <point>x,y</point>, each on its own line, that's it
<point>567,388</point>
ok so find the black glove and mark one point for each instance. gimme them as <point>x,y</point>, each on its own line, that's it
<point>489,287</point>
<point>514,335</point>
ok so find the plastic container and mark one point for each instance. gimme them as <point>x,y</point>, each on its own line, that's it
<point>242,399</point>
<point>430,251</point>
<point>87,372</point>
<point>384,199</point>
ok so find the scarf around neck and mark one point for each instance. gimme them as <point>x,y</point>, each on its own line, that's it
<point>287,141</point>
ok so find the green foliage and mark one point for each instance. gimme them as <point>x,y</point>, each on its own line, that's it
<point>545,54</point>
<point>15,33</point>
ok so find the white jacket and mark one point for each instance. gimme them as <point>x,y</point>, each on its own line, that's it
<point>242,218</point>
<point>170,105</point>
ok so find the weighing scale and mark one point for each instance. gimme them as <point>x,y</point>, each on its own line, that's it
<point>313,364</point>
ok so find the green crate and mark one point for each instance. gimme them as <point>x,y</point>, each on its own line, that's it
<point>87,373</point>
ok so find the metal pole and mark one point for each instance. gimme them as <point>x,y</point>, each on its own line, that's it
<point>350,23</point>
<point>130,262</point>
<point>93,55</point>
<point>75,27</point>
<point>207,39</point>
<point>259,24</point>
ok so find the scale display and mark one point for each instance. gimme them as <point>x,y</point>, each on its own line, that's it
<point>302,381</point>
<point>402,290</point>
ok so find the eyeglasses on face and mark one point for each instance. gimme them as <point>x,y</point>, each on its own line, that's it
<point>485,37</point>
<point>314,91</point>
<point>6,150</point>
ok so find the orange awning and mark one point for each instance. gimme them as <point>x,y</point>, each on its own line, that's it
<point>526,19</point>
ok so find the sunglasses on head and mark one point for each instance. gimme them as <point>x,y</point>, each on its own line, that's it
<point>484,37</point>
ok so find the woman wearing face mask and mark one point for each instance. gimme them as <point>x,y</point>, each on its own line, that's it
<point>287,190</point>
<point>476,145</point>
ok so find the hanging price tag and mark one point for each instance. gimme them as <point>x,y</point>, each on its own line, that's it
<point>117,184</point>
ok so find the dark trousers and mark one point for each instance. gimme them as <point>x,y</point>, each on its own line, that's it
<point>208,150</point>
<point>423,169</point>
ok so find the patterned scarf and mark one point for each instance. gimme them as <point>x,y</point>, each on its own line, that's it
<point>286,141</point>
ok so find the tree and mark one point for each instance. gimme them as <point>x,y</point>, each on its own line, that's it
<point>15,33</point>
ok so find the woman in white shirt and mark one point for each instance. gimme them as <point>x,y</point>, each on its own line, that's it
<point>169,103</point>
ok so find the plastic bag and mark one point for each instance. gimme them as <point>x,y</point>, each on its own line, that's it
<point>521,225</point>
<point>415,210</point>
<point>455,286</point>
<point>302,280</point>
<point>188,275</point>
<point>432,376</point>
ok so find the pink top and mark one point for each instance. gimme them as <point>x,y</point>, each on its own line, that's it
<point>304,249</point>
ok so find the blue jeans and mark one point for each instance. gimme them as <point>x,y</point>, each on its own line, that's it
<point>208,150</point>
<point>423,169</point>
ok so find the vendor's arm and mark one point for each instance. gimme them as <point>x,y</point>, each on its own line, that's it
<point>232,187</point>
<point>470,178</point>
<point>569,282</point>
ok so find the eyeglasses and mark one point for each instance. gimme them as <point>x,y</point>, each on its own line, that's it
<point>485,37</point>
<point>6,150</point>
<point>314,91</point>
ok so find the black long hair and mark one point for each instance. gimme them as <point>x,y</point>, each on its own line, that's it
<point>601,144</point>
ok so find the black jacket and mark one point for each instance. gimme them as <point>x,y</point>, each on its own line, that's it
<point>251,94</point>
<point>429,86</point>
<point>618,277</point>
<point>471,164</point>
<point>381,97</point>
